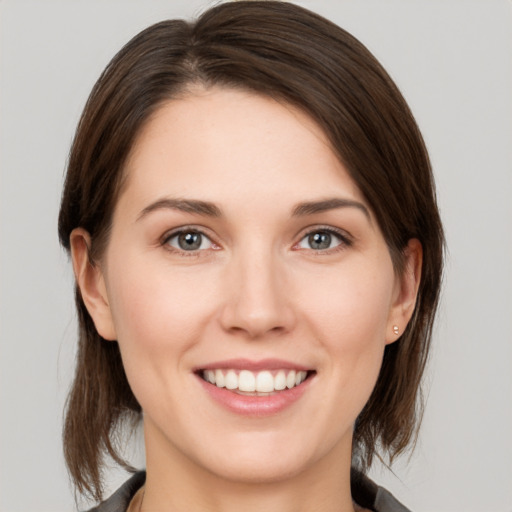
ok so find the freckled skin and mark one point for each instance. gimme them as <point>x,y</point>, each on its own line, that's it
<point>255,289</point>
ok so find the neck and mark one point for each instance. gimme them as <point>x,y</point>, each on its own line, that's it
<point>175,483</point>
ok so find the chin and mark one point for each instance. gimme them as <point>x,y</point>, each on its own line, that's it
<point>264,458</point>
<point>256,470</point>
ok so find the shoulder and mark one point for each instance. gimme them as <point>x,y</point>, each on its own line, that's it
<point>369,495</point>
<point>120,500</point>
<point>365,492</point>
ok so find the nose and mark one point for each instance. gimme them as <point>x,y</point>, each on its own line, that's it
<point>258,299</point>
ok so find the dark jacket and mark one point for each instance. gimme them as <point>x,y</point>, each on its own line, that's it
<point>365,493</point>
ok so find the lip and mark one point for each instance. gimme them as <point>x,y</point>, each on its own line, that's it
<point>253,405</point>
<point>254,366</point>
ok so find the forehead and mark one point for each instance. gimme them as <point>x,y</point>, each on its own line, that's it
<point>221,142</point>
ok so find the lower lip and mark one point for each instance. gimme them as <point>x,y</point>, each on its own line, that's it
<point>249,405</point>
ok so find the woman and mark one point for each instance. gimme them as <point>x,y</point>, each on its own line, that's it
<point>257,249</point>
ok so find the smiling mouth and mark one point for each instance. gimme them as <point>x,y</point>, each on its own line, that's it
<point>259,383</point>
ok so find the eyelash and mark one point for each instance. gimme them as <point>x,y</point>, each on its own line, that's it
<point>344,238</point>
<point>181,231</point>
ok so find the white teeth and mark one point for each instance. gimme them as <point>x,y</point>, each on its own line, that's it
<point>219,379</point>
<point>231,380</point>
<point>210,376</point>
<point>264,382</point>
<point>290,379</point>
<point>280,380</point>
<point>246,381</point>
<point>249,382</point>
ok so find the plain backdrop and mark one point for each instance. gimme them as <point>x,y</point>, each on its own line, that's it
<point>452,59</point>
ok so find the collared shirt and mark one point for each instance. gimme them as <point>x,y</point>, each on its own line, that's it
<point>365,493</point>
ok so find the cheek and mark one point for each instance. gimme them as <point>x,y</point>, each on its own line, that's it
<point>158,312</point>
<point>159,315</point>
<point>349,321</point>
<point>352,307</point>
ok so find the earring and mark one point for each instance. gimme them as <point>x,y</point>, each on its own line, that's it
<point>396,330</point>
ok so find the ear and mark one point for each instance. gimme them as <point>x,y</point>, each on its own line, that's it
<point>90,280</point>
<point>406,291</point>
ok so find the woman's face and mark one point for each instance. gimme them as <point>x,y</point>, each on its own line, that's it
<point>243,254</point>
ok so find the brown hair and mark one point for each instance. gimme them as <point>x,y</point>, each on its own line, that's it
<point>289,53</point>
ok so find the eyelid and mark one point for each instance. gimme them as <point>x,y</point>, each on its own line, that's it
<point>346,238</point>
<point>164,239</point>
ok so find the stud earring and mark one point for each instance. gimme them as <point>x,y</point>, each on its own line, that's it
<point>396,330</point>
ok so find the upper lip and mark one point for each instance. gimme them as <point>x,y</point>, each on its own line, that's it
<point>255,366</point>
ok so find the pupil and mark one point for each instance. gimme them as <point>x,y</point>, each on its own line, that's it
<point>189,241</point>
<point>320,240</point>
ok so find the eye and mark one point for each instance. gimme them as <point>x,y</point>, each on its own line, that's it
<point>322,240</point>
<point>189,240</point>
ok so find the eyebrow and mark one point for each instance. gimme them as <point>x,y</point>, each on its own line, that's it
<point>185,205</point>
<point>310,208</point>
<point>209,209</point>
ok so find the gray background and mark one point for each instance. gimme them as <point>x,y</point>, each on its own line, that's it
<point>452,60</point>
